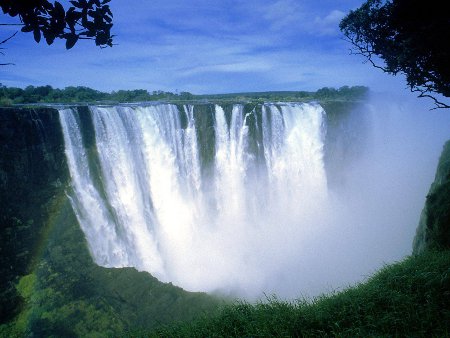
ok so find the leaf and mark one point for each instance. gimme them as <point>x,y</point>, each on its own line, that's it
<point>37,35</point>
<point>101,39</point>
<point>50,39</point>
<point>76,4</point>
<point>71,40</point>
<point>27,29</point>
<point>59,9</point>
<point>107,10</point>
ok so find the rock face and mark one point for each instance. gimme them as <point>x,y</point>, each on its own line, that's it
<point>433,231</point>
<point>32,170</point>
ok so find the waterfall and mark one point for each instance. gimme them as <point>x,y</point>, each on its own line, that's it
<point>143,198</point>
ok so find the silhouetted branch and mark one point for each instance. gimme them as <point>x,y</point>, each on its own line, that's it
<point>2,42</point>
<point>423,93</point>
<point>365,51</point>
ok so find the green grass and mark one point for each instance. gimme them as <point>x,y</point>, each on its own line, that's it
<point>406,299</point>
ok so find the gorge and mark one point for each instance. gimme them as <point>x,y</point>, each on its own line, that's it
<point>233,198</point>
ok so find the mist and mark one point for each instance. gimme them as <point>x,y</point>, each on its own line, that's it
<point>246,230</point>
<point>371,218</point>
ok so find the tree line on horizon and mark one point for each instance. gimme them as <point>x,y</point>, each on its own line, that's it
<point>81,94</point>
<point>72,94</point>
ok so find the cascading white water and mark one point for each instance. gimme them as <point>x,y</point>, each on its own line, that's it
<point>153,207</point>
<point>107,247</point>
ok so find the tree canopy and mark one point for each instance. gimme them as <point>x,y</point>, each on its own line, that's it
<point>80,94</point>
<point>410,37</point>
<point>85,19</point>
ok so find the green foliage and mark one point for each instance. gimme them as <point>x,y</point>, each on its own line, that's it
<point>433,231</point>
<point>438,206</point>
<point>343,94</point>
<point>80,94</point>
<point>409,36</point>
<point>32,169</point>
<point>86,19</point>
<point>26,285</point>
<point>70,296</point>
<point>47,94</point>
<point>436,231</point>
<point>407,299</point>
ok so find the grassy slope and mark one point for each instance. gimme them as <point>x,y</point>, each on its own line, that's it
<point>410,298</point>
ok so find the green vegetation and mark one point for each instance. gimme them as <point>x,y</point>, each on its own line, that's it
<point>32,171</point>
<point>433,231</point>
<point>407,299</point>
<point>67,295</point>
<point>47,94</point>
<point>438,204</point>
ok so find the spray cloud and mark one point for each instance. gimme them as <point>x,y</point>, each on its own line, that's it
<point>259,215</point>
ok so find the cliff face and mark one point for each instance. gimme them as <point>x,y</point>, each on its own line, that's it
<point>433,231</point>
<point>42,242</point>
<point>346,138</point>
<point>49,285</point>
<point>32,171</point>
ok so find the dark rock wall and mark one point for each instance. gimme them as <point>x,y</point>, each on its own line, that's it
<point>346,140</point>
<point>32,170</point>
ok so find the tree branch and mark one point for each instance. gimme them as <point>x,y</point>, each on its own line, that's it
<point>368,53</point>
<point>2,42</point>
<point>365,51</point>
<point>423,93</point>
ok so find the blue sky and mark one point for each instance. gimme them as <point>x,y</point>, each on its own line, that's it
<point>203,46</point>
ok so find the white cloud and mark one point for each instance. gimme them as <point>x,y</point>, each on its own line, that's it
<point>234,67</point>
<point>328,25</point>
<point>289,17</point>
<point>282,14</point>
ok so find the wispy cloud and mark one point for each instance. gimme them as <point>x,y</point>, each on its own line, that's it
<point>282,14</point>
<point>234,67</point>
<point>329,25</point>
<point>201,46</point>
